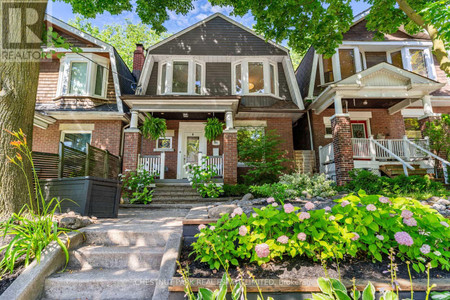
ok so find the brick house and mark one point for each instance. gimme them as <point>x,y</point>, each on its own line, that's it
<point>367,103</point>
<point>216,67</point>
<point>78,98</point>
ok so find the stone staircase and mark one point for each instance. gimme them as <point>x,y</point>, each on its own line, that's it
<point>395,170</point>
<point>117,261</point>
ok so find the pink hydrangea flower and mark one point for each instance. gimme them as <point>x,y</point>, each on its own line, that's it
<point>288,208</point>
<point>403,238</point>
<point>309,205</point>
<point>270,200</point>
<point>238,211</point>
<point>274,204</point>
<point>254,215</point>
<point>262,250</point>
<point>283,239</point>
<point>445,224</point>
<point>355,236</point>
<point>410,222</point>
<point>212,227</point>
<point>332,218</point>
<point>243,230</point>
<point>301,236</point>
<point>425,249</point>
<point>327,208</point>
<point>380,237</point>
<point>406,214</point>
<point>384,200</point>
<point>304,215</point>
<point>371,207</point>
<point>201,226</point>
<point>345,203</point>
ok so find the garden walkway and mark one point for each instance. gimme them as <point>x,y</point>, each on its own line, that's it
<point>132,257</point>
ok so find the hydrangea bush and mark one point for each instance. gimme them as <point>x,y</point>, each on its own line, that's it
<point>363,224</point>
<point>202,178</point>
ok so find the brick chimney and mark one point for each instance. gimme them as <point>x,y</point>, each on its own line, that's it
<point>138,60</point>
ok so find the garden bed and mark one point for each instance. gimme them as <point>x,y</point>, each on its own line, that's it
<point>7,279</point>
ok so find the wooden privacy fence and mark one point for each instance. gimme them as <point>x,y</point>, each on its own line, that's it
<point>75,163</point>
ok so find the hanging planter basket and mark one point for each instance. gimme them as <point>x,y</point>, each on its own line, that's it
<point>213,129</point>
<point>154,128</point>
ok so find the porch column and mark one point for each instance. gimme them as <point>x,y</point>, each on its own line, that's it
<point>230,155</point>
<point>342,144</point>
<point>428,115</point>
<point>134,119</point>
<point>132,147</point>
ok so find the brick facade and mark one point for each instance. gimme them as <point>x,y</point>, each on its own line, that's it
<point>132,148</point>
<point>343,151</point>
<point>106,135</point>
<point>230,158</point>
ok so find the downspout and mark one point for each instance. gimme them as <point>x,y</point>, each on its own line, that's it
<point>310,131</point>
<point>122,140</point>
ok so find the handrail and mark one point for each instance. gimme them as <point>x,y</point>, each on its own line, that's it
<point>443,161</point>
<point>404,163</point>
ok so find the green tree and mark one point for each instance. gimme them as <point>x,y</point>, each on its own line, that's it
<point>123,37</point>
<point>438,131</point>
<point>296,58</point>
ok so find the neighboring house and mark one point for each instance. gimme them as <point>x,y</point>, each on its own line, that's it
<point>78,97</point>
<point>381,89</point>
<point>219,68</point>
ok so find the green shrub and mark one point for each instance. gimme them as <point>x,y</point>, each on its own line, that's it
<point>136,186</point>
<point>235,190</point>
<point>280,192</point>
<point>33,228</point>
<point>202,179</point>
<point>315,185</point>
<point>421,187</point>
<point>366,225</point>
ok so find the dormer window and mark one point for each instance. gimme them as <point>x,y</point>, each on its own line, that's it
<point>347,62</point>
<point>83,75</point>
<point>181,77</point>
<point>418,62</point>
<point>255,77</point>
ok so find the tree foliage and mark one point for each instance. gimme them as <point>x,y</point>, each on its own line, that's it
<point>439,133</point>
<point>123,37</point>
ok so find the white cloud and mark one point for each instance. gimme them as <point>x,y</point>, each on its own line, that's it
<point>200,17</point>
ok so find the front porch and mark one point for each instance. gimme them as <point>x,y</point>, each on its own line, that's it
<point>184,141</point>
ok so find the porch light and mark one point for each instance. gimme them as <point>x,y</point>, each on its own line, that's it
<point>185,115</point>
<point>365,102</point>
<point>250,86</point>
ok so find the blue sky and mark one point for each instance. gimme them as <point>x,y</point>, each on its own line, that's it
<point>202,9</point>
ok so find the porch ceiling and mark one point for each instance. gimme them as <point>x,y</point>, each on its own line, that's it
<point>180,104</point>
<point>190,116</point>
<point>382,82</point>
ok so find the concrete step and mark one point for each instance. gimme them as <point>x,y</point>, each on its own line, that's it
<point>146,237</point>
<point>116,257</point>
<point>175,194</point>
<point>162,206</point>
<point>101,284</point>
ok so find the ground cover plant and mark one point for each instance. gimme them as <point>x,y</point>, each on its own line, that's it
<point>202,178</point>
<point>419,187</point>
<point>136,186</point>
<point>368,225</point>
<point>235,190</point>
<point>33,228</point>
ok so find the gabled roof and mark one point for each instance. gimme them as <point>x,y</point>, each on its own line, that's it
<point>153,49</point>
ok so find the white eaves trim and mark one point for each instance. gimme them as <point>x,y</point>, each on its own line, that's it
<point>42,121</point>
<point>292,83</point>
<point>208,19</point>
<point>101,44</point>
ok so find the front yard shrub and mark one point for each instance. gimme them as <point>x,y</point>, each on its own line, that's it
<point>33,228</point>
<point>420,187</point>
<point>280,192</point>
<point>136,186</point>
<point>366,225</point>
<point>235,190</point>
<point>202,178</point>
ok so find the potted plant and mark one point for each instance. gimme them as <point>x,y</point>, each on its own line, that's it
<point>213,129</point>
<point>154,128</point>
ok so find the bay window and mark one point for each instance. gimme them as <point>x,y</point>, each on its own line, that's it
<point>347,62</point>
<point>396,59</point>
<point>85,75</point>
<point>181,77</point>
<point>418,63</point>
<point>255,77</point>
<point>374,58</point>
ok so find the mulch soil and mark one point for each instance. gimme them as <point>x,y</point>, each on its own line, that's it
<point>302,268</point>
<point>7,279</point>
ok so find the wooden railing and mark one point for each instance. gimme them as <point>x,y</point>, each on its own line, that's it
<point>46,164</point>
<point>365,149</point>
<point>326,154</point>
<point>215,161</point>
<point>155,164</point>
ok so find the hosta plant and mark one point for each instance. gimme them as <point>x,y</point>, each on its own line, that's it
<point>33,227</point>
<point>367,225</point>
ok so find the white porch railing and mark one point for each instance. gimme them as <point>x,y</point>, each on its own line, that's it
<point>326,158</point>
<point>215,161</point>
<point>384,149</point>
<point>155,164</point>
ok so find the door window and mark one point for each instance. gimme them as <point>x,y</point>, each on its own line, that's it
<point>192,149</point>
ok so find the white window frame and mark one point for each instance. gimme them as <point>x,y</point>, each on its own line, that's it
<point>191,76</point>
<point>164,149</point>
<point>244,73</point>
<point>406,56</point>
<point>63,134</point>
<point>92,61</point>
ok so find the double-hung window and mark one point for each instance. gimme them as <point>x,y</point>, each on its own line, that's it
<point>181,77</point>
<point>85,75</point>
<point>255,77</point>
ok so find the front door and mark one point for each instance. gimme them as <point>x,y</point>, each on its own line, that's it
<point>192,143</point>
<point>359,129</point>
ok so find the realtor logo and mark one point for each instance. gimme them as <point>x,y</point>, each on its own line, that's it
<point>22,24</point>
